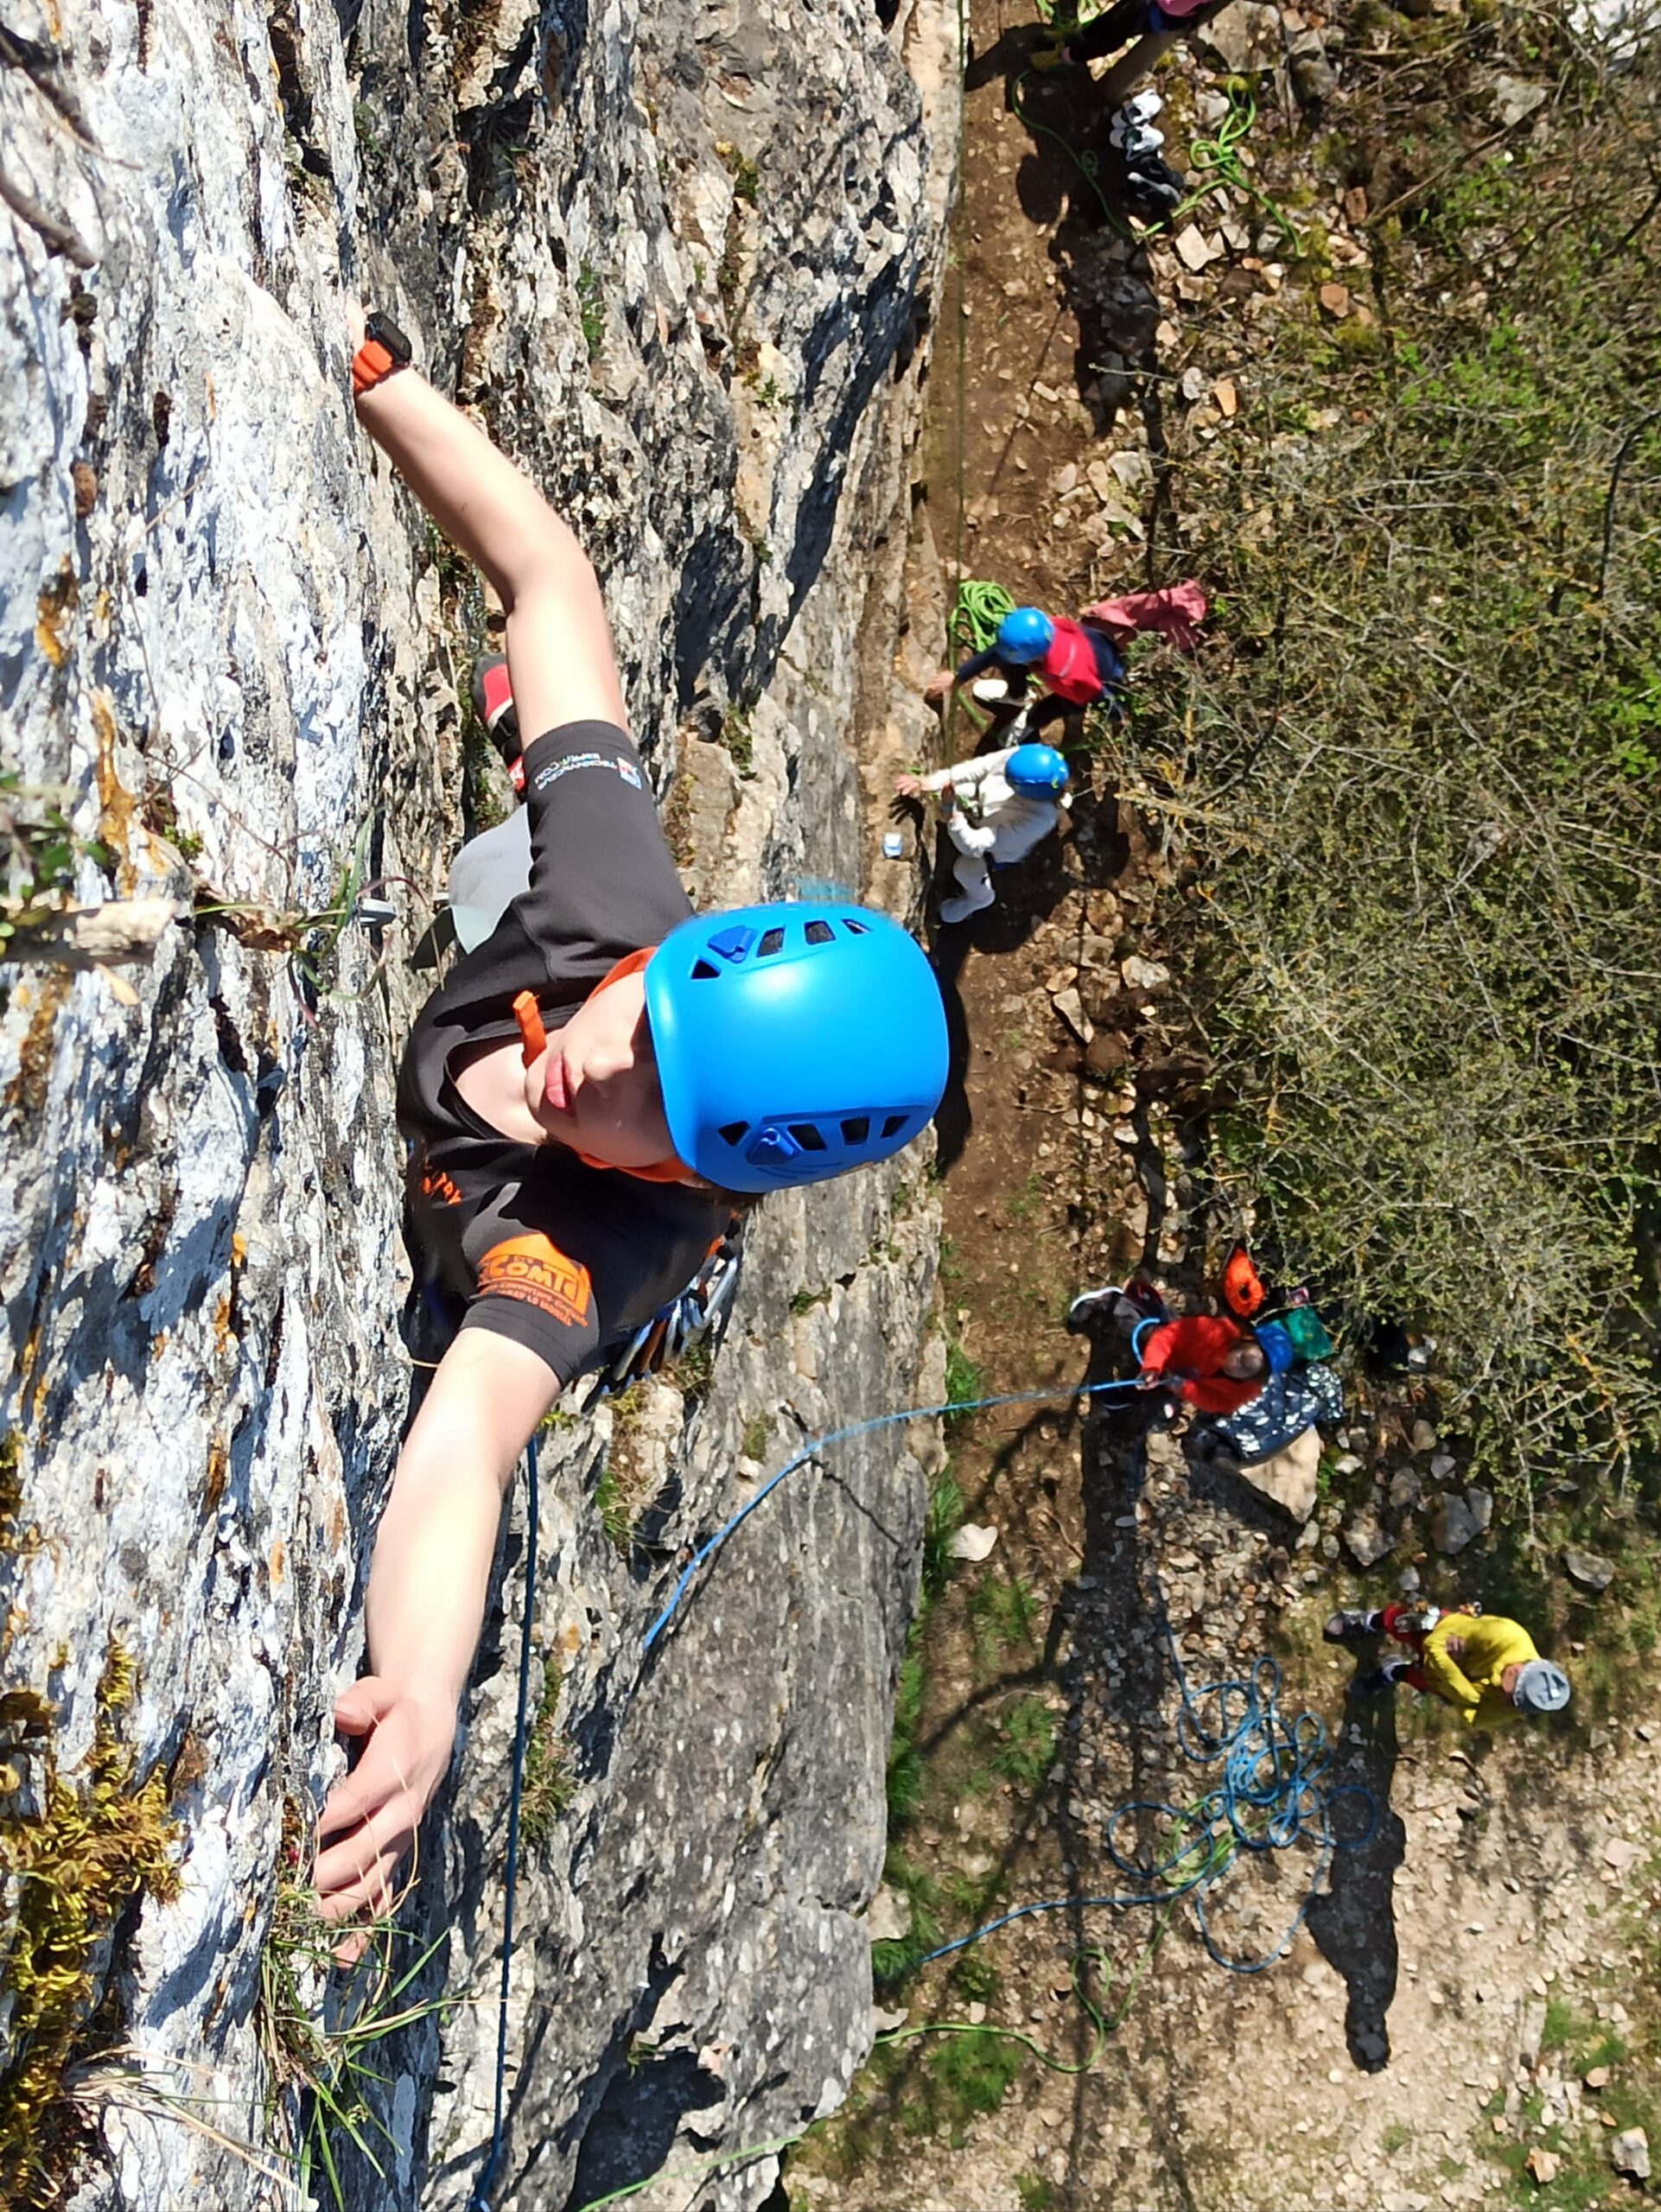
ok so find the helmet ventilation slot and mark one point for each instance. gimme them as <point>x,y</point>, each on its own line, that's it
<point>856,1129</point>
<point>704,971</point>
<point>732,1131</point>
<point>772,941</point>
<point>807,1136</point>
<point>819,933</point>
<point>892,1123</point>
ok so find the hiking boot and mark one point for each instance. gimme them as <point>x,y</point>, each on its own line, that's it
<point>492,702</point>
<point>1380,1681</point>
<point>960,909</point>
<point>1341,1626</point>
<point>1092,1306</point>
<point>1151,189</point>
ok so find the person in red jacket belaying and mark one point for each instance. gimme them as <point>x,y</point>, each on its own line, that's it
<point>1203,1360</point>
<point>1206,1359</point>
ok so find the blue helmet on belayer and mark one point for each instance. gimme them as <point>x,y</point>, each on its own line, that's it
<point>1037,769</point>
<point>794,1041</point>
<point>1026,633</point>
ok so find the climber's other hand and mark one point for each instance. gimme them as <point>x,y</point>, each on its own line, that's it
<point>908,786</point>
<point>937,686</point>
<point>368,1824</point>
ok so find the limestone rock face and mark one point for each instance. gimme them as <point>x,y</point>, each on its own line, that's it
<point>681,262</point>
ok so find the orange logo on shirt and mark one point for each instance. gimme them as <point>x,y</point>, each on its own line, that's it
<point>535,1270</point>
<point>436,1185</point>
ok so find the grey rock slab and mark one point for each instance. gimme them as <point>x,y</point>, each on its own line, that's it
<point>1629,2153</point>
<point>1366,1539</point>
<point>252,672</point>
<point>1588,1571</point>
<point>1245,37</point>
<point>1453,1525</point>
<point>1513,100</point>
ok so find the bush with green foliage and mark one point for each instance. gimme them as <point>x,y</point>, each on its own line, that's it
<point>1410,797</point>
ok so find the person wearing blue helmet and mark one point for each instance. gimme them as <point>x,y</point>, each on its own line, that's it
<point>997,807</point>
<point>597,1081</point>
<point>1074,665</point>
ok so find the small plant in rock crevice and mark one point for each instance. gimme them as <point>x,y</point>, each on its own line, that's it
<point>591,311</point>
<point>550,1783</point>
<point>38,852</point>
<point>76,1858</point>
<point>326,2084</point>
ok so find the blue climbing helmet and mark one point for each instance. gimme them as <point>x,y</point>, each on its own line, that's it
<point>794,1040</point>
<point>1025,634</point>
<point>1037,769</point>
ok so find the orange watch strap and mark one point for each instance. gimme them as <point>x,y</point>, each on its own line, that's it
<point>370,363</point>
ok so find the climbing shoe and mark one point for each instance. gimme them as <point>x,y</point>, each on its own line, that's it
<point>1092,1306</point>
<point>1380,1681</point>
<point>1151,189</point>
<point>492,702</point>
<point>1341,1626</point>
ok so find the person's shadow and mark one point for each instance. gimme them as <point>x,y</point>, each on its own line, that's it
<point>954,1117</point>
<point>1354,1924</point>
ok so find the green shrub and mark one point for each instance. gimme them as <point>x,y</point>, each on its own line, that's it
<point>1413,801</point>
<point>944,1513</point>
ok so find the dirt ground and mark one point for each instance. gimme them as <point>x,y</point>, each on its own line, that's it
<point>1475,1982</point>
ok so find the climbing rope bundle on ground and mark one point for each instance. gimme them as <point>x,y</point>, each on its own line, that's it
<point>1272,1790</point>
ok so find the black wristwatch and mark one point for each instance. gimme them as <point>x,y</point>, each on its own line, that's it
<point>385,351</point>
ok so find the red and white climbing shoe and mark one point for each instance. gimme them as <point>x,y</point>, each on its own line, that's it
<point>492,702</point>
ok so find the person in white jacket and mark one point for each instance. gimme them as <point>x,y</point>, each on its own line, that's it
<point>998,806</point>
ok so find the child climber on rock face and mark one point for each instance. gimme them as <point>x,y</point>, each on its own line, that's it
<point>582,1097</point>
<point>998,806</point>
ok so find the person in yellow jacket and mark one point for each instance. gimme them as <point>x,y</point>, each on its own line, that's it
<point>1485,1667</point>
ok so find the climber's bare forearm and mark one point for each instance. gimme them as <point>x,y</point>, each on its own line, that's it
<point>427,1590</point>
<point>427,1586</point>
<point>428,1583</point>
<point>559,640</point>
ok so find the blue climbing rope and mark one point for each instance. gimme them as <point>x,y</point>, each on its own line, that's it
<point>1273,1793</point>
<point>816,1445</point>
<point>480,2200</point>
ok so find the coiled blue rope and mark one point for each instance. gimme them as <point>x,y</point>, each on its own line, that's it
<point>1273,1793</point>
<point>480,2200</point>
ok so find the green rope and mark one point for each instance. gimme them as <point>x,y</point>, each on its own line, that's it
<point>694,2173</point>
<point>976,613</point>
<point>1087,163</point>
<point>1099,2022</point>
<point>1220,166</point>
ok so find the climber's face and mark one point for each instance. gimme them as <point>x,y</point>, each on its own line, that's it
<point>1245,1363</point>
<point>596,1088</point>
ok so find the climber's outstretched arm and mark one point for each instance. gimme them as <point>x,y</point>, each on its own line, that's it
<point>559,649</point>
<point>425,1605</point>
